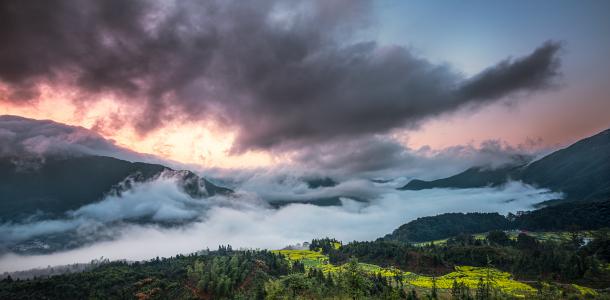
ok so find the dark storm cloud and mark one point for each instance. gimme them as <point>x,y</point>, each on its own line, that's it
<point>527,73</point>
<point>358,155</point>
<point>284,74</point>
<point>381,156</point>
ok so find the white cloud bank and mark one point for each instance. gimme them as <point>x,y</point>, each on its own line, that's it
<point>246,221</point>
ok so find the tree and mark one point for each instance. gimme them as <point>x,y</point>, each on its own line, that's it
<point>482,290</point>
<point>576,239</point>
<point>455,290</point>
<point>526,242</point>
<point>498,237</point>
<point>412,295</point>
<point>434,292</point>
<point>354,281</point>
<point>460,291</point>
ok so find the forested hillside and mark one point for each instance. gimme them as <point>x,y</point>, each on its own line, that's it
<point>447,225</point>
<point>496,267</point>
<point>222,274</point>
<point>566,216</point>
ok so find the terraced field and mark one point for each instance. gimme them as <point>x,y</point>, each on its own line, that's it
<point>470,276</point>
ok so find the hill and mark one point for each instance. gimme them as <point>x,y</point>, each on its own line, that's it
<point>566,216</point>
<point>590,215</point>
<point>448,225</point>
<point>60,184</point>
<point>358,270</point>
<point>581,171</point>
<point>473,177</point>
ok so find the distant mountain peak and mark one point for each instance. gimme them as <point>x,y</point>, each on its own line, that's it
<point>581,171</point>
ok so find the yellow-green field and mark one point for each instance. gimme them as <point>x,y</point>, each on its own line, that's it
<point>585,290</point>
<point>471,276</point>
<point>307,257</point>
<point>462,274</point>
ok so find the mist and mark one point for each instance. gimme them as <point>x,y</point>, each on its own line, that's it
<point>133,226</point>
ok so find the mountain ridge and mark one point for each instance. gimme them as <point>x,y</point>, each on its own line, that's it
<point>60,184</point>
<point>581,171</point>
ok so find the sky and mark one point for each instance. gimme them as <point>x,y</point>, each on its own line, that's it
<point>231,85</point>
<point>471,35</point>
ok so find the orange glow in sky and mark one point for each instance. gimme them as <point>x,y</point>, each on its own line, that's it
<point>550,121</point>
<point>186,142</point>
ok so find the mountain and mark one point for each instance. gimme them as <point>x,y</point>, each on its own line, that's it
<point>473,177</point>
<point>580,215</point>
<point>581,171</point>
<point>60,184</point>
<point>314,183</point>
<point>448,225</point>
<point>585,215</point>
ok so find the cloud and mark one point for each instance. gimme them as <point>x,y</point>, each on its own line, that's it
<point>25,139</point>
<point>526,73</point>
<point>385,157</point>
<point>43,137</point>
<point>161,200</point>
<point>351,162</point>
<point>296,189</point>
<point>246,222</point>
<point>284,75</point>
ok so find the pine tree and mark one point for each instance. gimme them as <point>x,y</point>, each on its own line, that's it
<point>482,290</point>
<point>412,295</point>
<point>329,280</point>
<point>434,293</point>
<point>455,290</point>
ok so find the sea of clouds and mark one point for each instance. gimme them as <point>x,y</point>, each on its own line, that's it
<point>246,220</point>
